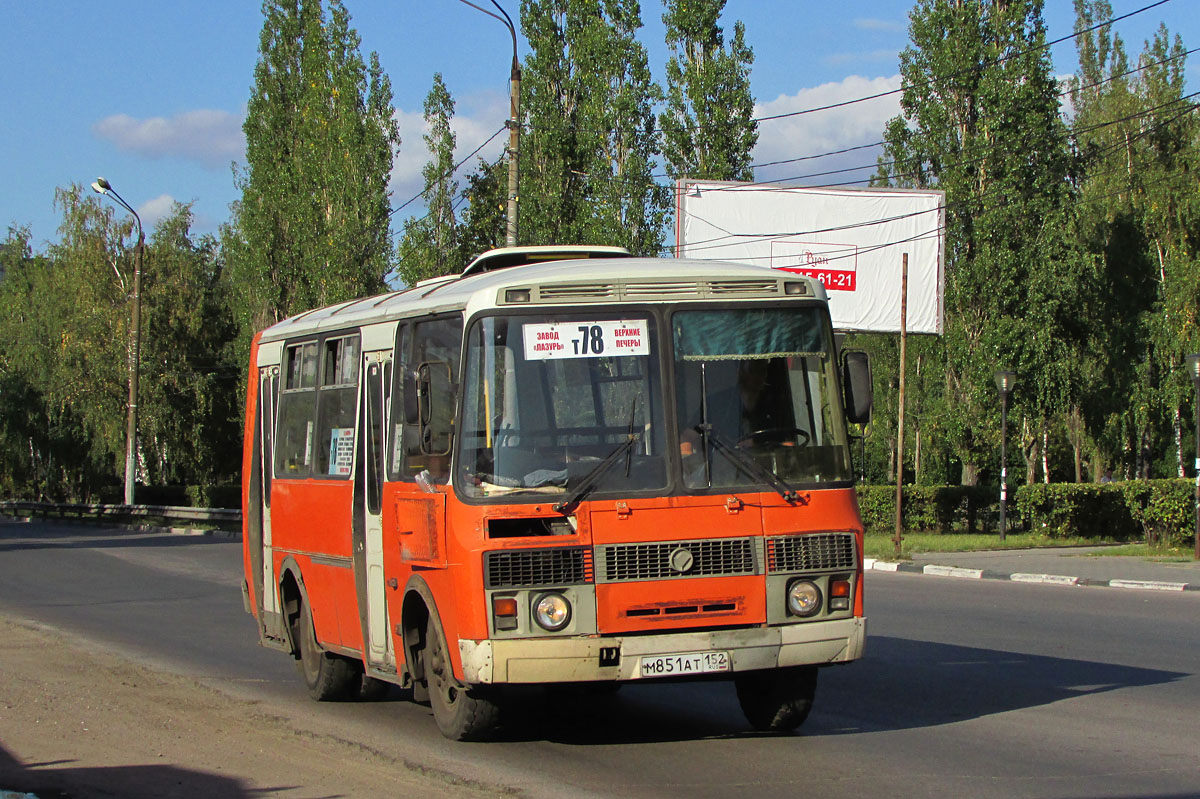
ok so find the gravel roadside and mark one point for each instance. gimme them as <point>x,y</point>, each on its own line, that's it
<point>78,722</point>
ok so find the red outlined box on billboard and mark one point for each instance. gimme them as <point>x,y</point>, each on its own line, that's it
<point>835,266</point>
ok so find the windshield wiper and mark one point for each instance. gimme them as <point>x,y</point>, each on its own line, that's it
<point>747,464</point>
<point>589,480</point>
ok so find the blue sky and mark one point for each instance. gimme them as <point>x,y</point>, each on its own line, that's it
<point>151,95</point>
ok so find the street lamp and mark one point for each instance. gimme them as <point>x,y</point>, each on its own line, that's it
<point>514,121</point>
<point>1004,384</point>
<point>1194,370</point>
<point>102,186</point>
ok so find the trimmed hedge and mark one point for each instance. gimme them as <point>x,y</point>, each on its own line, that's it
<point>929,509</point>
<point>1160,511</point>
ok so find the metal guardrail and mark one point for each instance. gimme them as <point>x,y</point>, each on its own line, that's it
<point>223,517</point>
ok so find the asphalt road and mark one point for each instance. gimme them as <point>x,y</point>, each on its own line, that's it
<point>969,688</point>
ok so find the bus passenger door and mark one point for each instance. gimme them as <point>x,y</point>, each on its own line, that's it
<point>265,591</point>
<point>368,497</point>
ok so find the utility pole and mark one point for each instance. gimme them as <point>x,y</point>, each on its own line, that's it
<point>102,186</point>
<point>513,124</point>
<point>900,413</point>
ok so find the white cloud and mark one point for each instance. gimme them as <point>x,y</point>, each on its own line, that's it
<point>211,138</point>
<point>154,211</point>
<point>826,131</point>
<point>476,119</point>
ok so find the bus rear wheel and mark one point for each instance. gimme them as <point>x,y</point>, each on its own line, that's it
<point>777,700</point>
<point>462,713</point>
<point>329,677</point>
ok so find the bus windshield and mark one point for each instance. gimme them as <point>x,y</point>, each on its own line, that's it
<point>559,401</point>
<point>756,389</point>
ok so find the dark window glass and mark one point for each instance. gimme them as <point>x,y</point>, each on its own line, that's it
<point>294,427</point>
<point>336,406</point>
<point>373,414</point>
<point>433,373</point>
<point>548,399</point>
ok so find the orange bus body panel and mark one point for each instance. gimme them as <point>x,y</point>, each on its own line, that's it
<point>313,518</point>
<point>248,435</point>
<point>672,605</point>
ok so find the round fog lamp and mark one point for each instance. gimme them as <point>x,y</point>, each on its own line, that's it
<point>803,598</point>
<point>552,612</point>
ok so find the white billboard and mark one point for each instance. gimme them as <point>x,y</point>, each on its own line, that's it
<point>852,240</point>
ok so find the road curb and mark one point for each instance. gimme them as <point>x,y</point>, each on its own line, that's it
<point>953,571</point>
<point>1044,579</point>
<point>1148,585</point>
<point>937,570</point>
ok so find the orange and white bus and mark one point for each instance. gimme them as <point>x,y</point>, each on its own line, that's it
<point>565,465</point>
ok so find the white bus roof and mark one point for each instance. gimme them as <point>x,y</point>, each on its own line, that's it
<point>571,283</point>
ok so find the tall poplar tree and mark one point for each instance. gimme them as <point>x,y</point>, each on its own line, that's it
<point>980,120</point>
<point>483,224</point>
<point>430,243</point>
<point>1105,127</point>
<point>1140,148</point>
<point>708,126</point>
<point>312,225</point>
<point>587,154</point>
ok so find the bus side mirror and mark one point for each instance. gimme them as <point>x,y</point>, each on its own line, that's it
<point>857,387</point>
<point>412,404</point>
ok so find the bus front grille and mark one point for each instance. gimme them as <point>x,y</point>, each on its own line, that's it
<point>524,568</point>
<point>675,559</point>
<point>813,552</point>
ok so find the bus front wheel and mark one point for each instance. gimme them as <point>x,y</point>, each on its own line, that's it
<point>777,700</point>
<point>462,713</point>
<point>329,678</point>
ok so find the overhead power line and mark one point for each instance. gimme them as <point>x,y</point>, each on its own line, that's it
<point>447,173</point>
<point>1017,54</point>
<point>721,241</point>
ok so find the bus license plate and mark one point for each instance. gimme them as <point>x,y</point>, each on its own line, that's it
<point>692,663</point>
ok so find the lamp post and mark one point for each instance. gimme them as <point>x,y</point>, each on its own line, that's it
<point>1004,384</point>
<point>1194,369</point>
<point>102,186</point>
<point>514,121</point>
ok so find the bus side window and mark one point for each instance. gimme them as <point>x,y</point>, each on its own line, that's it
<point>395,455</point>
<point>297,403</point>
<point>373,426</point>
<point>336,403</point>
<point>268,387</point>
<point>427,440</point>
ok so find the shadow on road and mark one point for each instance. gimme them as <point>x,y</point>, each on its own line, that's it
<point>900,685</point>
<point>58,780</point>
<point>905,684</point>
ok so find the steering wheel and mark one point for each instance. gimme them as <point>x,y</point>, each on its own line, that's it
<point>775,434</point>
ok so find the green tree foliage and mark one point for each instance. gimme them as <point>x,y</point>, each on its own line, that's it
<point>188,395</point>
<point>1138,140</point>
<point>430,244</point>
<point>65,355</point>
<point>708,126</point>
<point>34,450</point>
<point>981,121</point>
<point>483,221</point>
<point>587,154</point>
<point>312,226</point>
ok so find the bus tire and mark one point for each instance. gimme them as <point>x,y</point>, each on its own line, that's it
<point>329,677</point>
<point>777,700</point>
<point>462,713</point>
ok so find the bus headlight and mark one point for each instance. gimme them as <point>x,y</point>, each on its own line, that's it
<point>552,612</point>
<point>803,598</point>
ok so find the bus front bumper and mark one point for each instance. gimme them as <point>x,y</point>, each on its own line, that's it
<point>612,658</point>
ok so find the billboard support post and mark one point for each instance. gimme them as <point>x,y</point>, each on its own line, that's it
<point>900,412</point>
